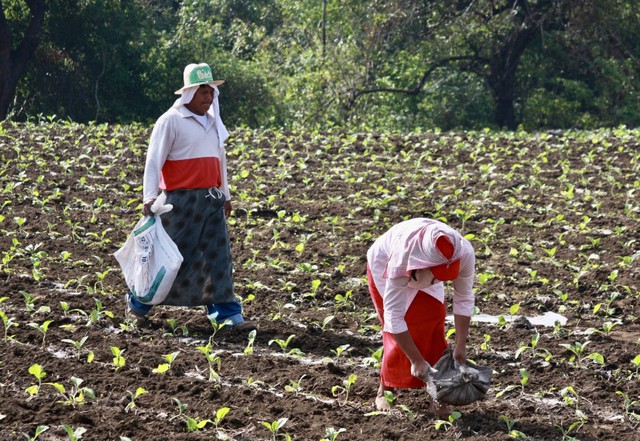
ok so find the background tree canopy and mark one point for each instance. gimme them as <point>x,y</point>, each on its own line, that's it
<point>374,64</point>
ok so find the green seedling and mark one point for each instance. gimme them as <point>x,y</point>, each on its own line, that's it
<point>37,371</point>
<point>533,347</point>
<point>331,434</point>
<point>524,379</point>
<point>315,285</point>
<point>74,434</point>
<point>636,363</point>
<point>344,300</point>
<point>29,302</point>
<point>449,422</point>
<point>515,434</point>
<point>607,327</point>
<point>193,424</point>
<point>118,360</point>
<point>65,308</point>
<point>629,404</point>
<point>78,344</point>
<point>175,327</point>
<point>328,319</point>
<point>98,312</point>
<point>39,431</point>
<point>133,397</point>
<point>182,407</point>
<point>213,361</point>
<point>606,308</point>
<point>217,327</point>
<point>275,426</point>
<point>575,426</point>
<point>280,307</point>
<point>248,350</point>
<point>342,349</point>
<point>345,387</point>
<point>578,350</point>
<point>294,386</point>
<point>8,323</point>
<point>76,395</point>
<point>485,345</point>
<point>284,344</point>
<point>164,367</point>
<point>220,414</point>
<point>43,328</point>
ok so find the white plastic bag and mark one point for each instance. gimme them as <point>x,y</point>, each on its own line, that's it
<point>149,259</point>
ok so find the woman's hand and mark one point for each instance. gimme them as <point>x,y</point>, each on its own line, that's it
<point>227,209</point>
<point>146,207</point>
<point>422,370</point>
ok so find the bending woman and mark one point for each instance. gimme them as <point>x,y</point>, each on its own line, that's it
<point>406,269</point>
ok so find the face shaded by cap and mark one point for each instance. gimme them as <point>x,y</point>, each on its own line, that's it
<point>202,100</point>
<point>446,271</point>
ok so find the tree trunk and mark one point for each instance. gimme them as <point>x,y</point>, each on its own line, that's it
<point>502,80</point>
<point>13,62</point>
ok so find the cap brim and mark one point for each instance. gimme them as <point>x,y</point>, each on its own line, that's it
<point>446,272</point>
<point>212,83</point>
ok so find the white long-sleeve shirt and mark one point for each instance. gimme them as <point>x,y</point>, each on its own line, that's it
<point>184,154</point>
<point>399,292</point>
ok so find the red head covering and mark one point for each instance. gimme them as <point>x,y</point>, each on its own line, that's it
<point>446,271</point>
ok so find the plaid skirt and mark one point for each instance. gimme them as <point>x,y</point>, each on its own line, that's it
<point>198,227</point>
<point>425,319</point>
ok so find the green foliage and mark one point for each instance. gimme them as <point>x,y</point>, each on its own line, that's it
<point>384,65</point>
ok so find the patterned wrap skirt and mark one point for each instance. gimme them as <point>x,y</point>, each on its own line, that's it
<point>198,227</point>
<point>425,319</point>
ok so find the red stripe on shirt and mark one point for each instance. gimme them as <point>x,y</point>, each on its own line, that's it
<point>191,173</point>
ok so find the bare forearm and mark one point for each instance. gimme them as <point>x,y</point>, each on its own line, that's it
<point>462,324</point>
<point>409,347</point>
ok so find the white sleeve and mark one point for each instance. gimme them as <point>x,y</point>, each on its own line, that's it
<point>395,299</point>
<point>463,297</point>
<point>162,138</point>
<point>223,171</point>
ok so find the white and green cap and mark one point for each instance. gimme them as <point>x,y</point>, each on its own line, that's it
<point>196,75</point>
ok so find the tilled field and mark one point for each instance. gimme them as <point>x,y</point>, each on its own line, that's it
<point>554,219</point>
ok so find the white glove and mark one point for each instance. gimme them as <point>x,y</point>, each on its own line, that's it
<point>159,207</point>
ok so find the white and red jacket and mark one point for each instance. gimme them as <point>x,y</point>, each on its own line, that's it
<point>184,153</point>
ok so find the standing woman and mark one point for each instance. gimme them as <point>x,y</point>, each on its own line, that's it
<point>186,160</point>
<point>406,269</point>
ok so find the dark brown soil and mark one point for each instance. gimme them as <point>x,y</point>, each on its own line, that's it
<point>554,219</point>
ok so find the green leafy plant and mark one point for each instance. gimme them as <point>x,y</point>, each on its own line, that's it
<point>449,422</point>
<point>37,371</point>
<point>78,345</point>
<point>344,388</point>
<point>74,434</point>
<point>43,328</point>
<point>250,343</point>
<point>75,395</point>
<point>513,433</point>
<point>39,431</point>
<point>213,360</point>
<point>275,426</point>
<point>331,434</point>
<point>8,323</point>
<point>118,360</point>
<point>164,367</point>
<point>133,396</point>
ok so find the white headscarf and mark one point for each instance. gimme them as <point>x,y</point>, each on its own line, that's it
<point>415,248</point>
<point>214,110</point>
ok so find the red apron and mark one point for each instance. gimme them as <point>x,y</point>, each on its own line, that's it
<point>425,319</point>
